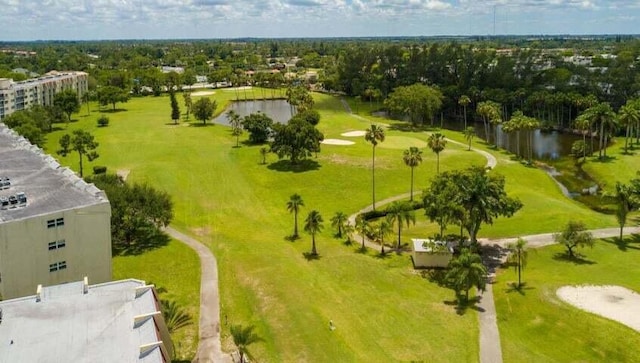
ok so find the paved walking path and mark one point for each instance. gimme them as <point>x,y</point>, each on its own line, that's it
<point>209,346</point>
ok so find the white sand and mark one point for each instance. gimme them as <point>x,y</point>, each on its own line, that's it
<point>123,173</point>
<point>337,142</point>
<point>203,93</point>
<point>233,89</point>
<point>354,133</point>
<point>612,302</point>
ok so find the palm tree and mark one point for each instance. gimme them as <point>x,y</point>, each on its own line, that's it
<point>629,116</point>
<point>469,133</point>
<point>437,142</point>
<point>348,229</point>
<point>518,257</point>
<point>174,315</point>
<point>374,135</point>
<point>362,227</point>
<point>313,225</point>
<point>623,196</point>
<point>243,337</point>
<point>601,115</point>
<point>464,101</point>
<point>466,271</point>
<point>489,111</point>
<point>401,212</point>
<point>293,206</point>
<point>263,152</point>
<point>583,124</point>
<point>236,125</point>
<point>383,229</point>
<point>412,157</point>
<point>338,221</point>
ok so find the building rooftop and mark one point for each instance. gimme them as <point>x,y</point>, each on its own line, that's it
<point>431,246</point>
<point>48,187</point>
<point>77,322</point>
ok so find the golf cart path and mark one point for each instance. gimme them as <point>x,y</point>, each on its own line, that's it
<point>209,345</point>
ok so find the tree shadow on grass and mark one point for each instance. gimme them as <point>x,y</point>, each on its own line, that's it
<point>462,305</point>
<point>382,256</point>
<point>300,167</point>
<point>625,244</point>
<point>576,259</point>
<point>147,239</point>
<point>111,110</point>
<point>361,250</point>
<point>605,159</point>
<point>292,238</point>
<point>522,289</point>
<point>311,256</point>
<point>199,124</point>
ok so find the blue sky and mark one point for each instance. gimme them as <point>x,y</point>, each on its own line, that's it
<point>155,19</point>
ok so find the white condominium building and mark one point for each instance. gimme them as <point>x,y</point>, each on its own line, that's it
<point>16,96</point>
<point>54,227</point>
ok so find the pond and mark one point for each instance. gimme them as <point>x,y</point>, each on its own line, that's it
<point>278,109</point>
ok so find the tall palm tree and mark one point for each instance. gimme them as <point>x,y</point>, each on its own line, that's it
<point>175,316</point>
<point>489,111</point>
<point>383,229</point>
<point>412,157</point>
<point>583,124</point>
<point>401,212</point>
<point>313,225</point>
<point>629,116</point>
<point>469,133</point>
<point>437,142</point>
<point>243,337</point>
<point>466,271</point>
<point>362,227</point>
<point>624,198</point>
<point>338,221</point>
<point>235,121</point>
<point>293,206</point>
<point>374,135</point>
<point>518,256</point>
<point>464,101</point>
<point>603,116</point>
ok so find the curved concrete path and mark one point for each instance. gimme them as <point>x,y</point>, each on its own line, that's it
<point>209,346</point>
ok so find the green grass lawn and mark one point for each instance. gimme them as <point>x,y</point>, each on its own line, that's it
<point>223,196</point>
<point>617,167</point>
<point>176,269</point>
<point>536,326</point>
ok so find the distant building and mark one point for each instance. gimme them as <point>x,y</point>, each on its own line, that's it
<point>16,96</point>
<point>54,227</point>
<point>167,69</point>
<point>118,321</point>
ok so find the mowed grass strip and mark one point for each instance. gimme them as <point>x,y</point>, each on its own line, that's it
<point>536,326</point>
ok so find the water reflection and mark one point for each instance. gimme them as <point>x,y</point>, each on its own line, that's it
<point>278,110</point>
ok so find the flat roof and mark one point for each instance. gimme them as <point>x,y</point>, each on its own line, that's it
<point>49,188</point>
<point>418,245</point>
<point>68,325</point>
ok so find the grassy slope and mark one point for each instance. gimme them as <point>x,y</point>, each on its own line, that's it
<point>538,327</point>
<point>382,310</point>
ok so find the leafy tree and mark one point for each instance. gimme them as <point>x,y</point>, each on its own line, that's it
<point>24,123</point>
<point>440,203</point>
<point>437,142</point>
<point>175,108</point>
<point>399,213</point>
<point>299,99</point>
<point>465,272</point>
<point>574,235</point>
<point>259,127</point>
<point>374,135</point>
<point>293,206</point>
<point>363,228</point>
<point>418,101</point>
<point>68,102</point>
<point>243,337</point>
<point>313,225</point>
<point>81,142</point>
<point>236,125</point>
<point>469,133</point>
<point>138,212</point>
<point>103,121</point>
<point>412,157</point>
<point>518,257</point>
<point>338,221</point>
<point>203,109</point>
<point>112,95</point>
<point>296,140</point>
<point>188,104</point>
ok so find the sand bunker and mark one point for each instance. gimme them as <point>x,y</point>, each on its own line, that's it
<point>203,93</point>
<point>233,89</point>
<point>612,302</point>
<point>354,133</point>
<point>337,142</point>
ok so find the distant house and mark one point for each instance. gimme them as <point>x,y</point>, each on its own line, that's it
<point>430,253</point>
<point>167,69</point>
<point>119,321</point>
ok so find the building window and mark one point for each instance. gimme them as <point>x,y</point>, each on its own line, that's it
<point>57,244</point>
<point>57,266</point>
<point>58,222</point>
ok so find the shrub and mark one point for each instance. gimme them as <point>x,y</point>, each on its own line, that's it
<point>373,214</point>
<point>99,170</point>
<point>103,121</point>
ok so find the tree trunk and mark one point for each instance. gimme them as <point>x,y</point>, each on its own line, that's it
<point>295,224</point>
<point>313,244</point>
<point>411,199</point>
<point>373,177</point>
<point>465,117</point>
<point>399,231</point>
<point>601,137</point>
<point>519,268</point>
<point>80,157</point>
<point>437,163</point>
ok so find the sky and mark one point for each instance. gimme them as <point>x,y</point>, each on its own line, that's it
<point>180,19</point>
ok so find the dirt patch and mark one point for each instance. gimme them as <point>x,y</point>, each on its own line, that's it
<point>612,302</point>
<point>123,173</point>
<point>201,231</point>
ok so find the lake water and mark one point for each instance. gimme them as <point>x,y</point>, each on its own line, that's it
<point>278,109</point>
